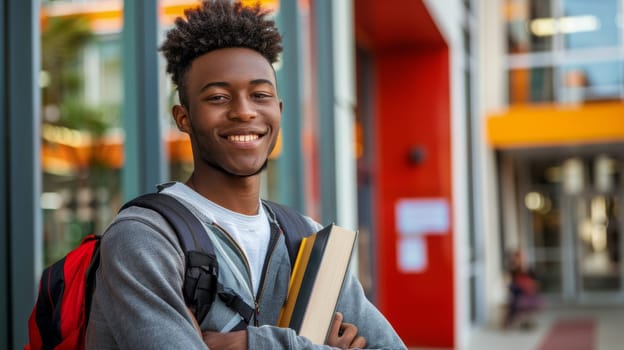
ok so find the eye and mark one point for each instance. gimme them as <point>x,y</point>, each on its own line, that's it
<point>261,95</point>
<point>216,98</point>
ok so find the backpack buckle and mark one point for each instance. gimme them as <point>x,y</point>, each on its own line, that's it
<point>200,283</point>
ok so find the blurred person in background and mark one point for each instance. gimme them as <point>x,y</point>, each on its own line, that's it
<point>524,298</point>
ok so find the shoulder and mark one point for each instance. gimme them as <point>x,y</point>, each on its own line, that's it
<point>137,227</point>
<point>313,223</point>
<point>288,217</point>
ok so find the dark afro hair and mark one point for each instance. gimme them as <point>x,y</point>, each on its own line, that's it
<point>214,25</point>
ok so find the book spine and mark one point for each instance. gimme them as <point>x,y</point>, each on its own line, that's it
<point>309,278</point>
<point>295,280</point>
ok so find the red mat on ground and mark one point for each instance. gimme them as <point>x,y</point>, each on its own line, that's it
<point>570,334</point>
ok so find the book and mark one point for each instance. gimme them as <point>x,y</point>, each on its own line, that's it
<point>316,281</point>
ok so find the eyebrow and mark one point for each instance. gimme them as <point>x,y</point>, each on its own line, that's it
<point>260,82</point>
<point>226,84</point>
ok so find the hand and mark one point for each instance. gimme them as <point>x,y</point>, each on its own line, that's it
<point>195,324</point>
<point>226,341</point>
<point>344,335</point>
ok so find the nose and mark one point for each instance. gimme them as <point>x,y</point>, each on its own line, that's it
<point>242,109</point>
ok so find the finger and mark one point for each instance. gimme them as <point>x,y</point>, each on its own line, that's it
<point>348,330</point>
<point>358,343</point>
<point>208,335</point>
<point>336,324</point>
<point>195,324</point>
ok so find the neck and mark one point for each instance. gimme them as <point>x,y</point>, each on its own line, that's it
<point>238,194</point>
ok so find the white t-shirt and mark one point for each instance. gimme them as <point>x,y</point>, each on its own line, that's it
<point>251,232</point>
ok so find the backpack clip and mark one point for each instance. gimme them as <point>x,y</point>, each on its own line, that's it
<point>200,283</point>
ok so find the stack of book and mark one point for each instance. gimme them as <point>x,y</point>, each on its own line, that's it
<point>316,281</point>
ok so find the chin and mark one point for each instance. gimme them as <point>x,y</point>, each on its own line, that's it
<point>257,171</point>
<point>248,172</point>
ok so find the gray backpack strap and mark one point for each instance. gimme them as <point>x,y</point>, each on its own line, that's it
<point>294,227</point>
<point>202,269</point>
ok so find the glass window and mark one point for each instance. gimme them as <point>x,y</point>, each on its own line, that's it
<point>591,81</point>
<point>529,25</point>
<point>109,70</point>
<point>589,23</point>
<point>548,274</point>
<point>81,139</point>
<point>180,157</point>
<point>542,207</point>
<point>531,85</point>
<point>468,5</point>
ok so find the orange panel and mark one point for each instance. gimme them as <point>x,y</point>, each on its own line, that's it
<point>531,126</point>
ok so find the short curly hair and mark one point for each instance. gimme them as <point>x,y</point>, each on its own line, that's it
<point>218,24</point>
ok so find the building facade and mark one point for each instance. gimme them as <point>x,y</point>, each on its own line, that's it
<point>558,139</point>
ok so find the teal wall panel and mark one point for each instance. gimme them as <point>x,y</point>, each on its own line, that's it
<point>289,81</point>
<point>4,229</point>
<point>327,147</point>
<point>144,165</point>
<point>23,183</point>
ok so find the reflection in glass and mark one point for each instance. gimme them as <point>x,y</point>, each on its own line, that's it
<point>81,139</point>
<point>531,85</point>
<point>542,203</point>
<point>519,15</point>
<point>590,23</point>
<point>548,273</point>
<point>544,210</point>
<point>606,172</point>
<point>573,176</point>
<point>592,81</point>
<point>549,61</point>
<point>598,235</point>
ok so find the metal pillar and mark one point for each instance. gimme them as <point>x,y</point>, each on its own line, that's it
<point>336,100</point>
<point>327,153</point>
<point>21,236</point>
<point>144,164</point>
<point>4,168</point>
<point>289,81</point>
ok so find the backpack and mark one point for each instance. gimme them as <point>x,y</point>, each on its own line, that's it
<point>60,315</point>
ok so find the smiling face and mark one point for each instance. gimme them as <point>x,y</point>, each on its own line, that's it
<point>233,113</point>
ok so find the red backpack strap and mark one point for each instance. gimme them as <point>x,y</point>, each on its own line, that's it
<point>59,317</point>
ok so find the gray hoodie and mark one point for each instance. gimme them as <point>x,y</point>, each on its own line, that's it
<point>138,302</point>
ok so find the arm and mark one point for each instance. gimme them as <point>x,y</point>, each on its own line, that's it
<point>341,335</point>
<point>372,325</point>
<point>357,310</point>
<point>364,326</point>
<point>355,307</point>
<point>139,287</point>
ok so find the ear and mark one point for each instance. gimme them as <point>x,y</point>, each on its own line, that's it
<point>182,119</point>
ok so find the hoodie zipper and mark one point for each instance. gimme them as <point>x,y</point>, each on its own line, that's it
<point>243,257</point>
<point>269,255</point>
<point>267,261</point>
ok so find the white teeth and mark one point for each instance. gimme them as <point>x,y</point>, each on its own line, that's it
<point>242,138</point>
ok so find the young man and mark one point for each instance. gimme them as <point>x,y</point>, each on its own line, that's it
<point>220,58</point>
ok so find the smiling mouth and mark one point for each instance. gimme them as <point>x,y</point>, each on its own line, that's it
<point>243,138</point>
